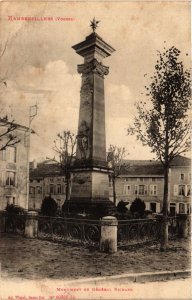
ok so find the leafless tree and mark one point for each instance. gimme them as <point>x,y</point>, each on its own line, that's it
<point>65,148</point>
<point>115,161</point>
<point>8,133</point>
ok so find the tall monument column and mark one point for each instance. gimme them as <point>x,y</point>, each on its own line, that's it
<point>90,185</point>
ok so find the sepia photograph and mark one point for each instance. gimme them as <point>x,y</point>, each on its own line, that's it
<point>95,150</point>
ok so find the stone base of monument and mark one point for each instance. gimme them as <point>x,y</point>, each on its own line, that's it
<point>90,193</point>
<point>95,209</point>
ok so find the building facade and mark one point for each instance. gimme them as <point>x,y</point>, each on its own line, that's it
<point>46,179</point>
<point>144,179</point>
<point>14,171</point>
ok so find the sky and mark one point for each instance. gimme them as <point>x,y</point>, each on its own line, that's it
<point>40,66</point>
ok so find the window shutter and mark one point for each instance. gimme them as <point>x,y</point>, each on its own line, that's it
<point>2,178</point>
<point>136,189</point>
<point>151,190</point>
<point>185,190</point>
<point>155,190</point>
<point>146,189</point>
<point>158,208</point>
<point>175,190</point>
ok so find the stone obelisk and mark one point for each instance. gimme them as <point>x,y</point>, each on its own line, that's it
<point>90,185</point>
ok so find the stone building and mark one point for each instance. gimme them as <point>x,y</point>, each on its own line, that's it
<point>14,171</point>
<point>145,179</point>
<point>139,178</point>
<point>46,179</point>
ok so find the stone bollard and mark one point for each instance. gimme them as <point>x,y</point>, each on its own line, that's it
<point>183,225</point>
<point>31,224</point>
<point>108,240</point>
<point>2,220</point>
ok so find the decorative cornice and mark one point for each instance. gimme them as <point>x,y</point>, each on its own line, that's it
<point>93,67</point>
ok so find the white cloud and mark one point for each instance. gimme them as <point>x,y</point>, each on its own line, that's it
<point>119,101</point>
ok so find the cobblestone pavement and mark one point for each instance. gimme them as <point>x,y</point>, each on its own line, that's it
<point>37,259</point>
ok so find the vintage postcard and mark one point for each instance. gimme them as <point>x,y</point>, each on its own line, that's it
<point>95,161</point>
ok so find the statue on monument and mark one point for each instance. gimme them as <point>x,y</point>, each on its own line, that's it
<point>83,139</point>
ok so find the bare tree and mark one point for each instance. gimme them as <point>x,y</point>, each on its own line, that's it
<point>65,148</point>
<point>165,126</point>
<point>115,161</point>
<point>8,134</point>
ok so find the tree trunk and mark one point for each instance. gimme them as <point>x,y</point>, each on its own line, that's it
<point>68,185</point>
<point>164,224</point>
<point>114,191</point>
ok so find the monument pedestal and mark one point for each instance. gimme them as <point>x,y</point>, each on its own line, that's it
<point>90,192</point>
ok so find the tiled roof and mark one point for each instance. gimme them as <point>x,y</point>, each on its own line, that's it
<point>44,170</point>
<point>181,161</point>
<point>151,167</point>
<point>130,167</point>
<point>145,169</point>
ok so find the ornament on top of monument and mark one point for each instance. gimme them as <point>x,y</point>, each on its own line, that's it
<point>93,66</point>
<point>83,140</point>
<point>94,24</point>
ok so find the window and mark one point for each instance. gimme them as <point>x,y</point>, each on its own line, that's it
<point>181,208</point>
<point>59,189</point>
<point>188,190</point>
<point>182,176</point>
<point>51,189</point>
<point>127,190</point>
<point>10,178</point>
<point>153,179</point>
<point>31,190</point>
<point>9,154</point>
<point>181,190</point>
<point>153,207</point>
<point>141,179</point>
<point>38,189</point>
<point>51,179</point>
<point>153,190</point>
<point>59,179</point>
<point>172,209</point>
<point>188,209</point>
<point>141,189</point>
<point>10,200</point>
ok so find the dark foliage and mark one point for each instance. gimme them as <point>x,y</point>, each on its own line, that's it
<point>49,207</point>
<point>15,209</point>
<point>121,207</point>
<point>138,207</point>
<point>99,211</point>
